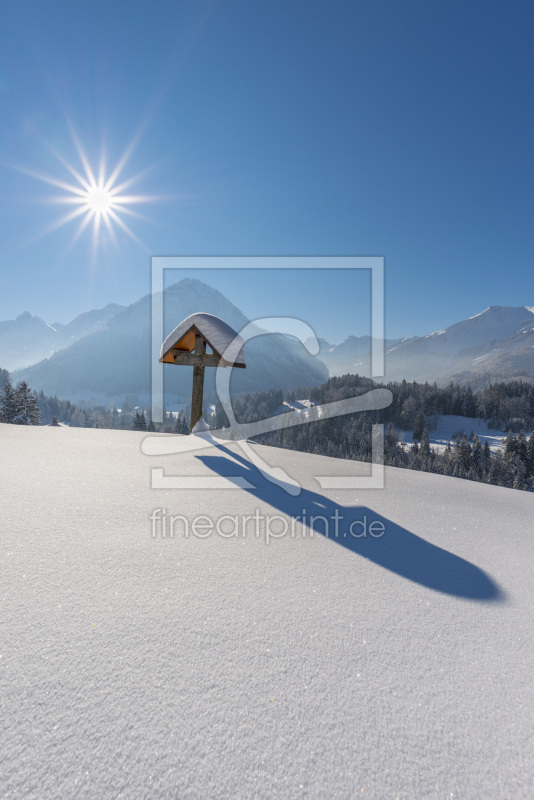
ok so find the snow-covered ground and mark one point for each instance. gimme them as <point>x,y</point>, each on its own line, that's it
<point>450,424</point>
<point>295,405</point>
<point>134,666</point>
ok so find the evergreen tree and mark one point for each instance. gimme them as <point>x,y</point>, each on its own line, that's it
<point>27,410</point>
<point>391,437</point>
<point>447,461</point>
<point>518,482</point>
<point>428,455</point>
<point>419,426</point>
<point>465,454</point>
<point>486,456</point>
<point>8,403</point>
<point>79,418</point>
<point>4,377</point>
<point>530,455</point>
<point>139,422</point>
<point>521,446</point>
<point>509,447</point>
<point>477,465</point>
<point>408,411</point>
<point>181,426</point>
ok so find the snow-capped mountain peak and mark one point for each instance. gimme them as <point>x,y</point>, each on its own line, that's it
<point>496,343</point>
<point>28,339</point>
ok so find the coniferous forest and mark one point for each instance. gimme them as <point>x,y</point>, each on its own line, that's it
<point>408,421</point>
<point>413,413</point>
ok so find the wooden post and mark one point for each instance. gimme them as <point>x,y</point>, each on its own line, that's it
<point>198,382</point>
<point>186,346</point>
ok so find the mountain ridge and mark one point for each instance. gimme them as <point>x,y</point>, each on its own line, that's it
<point>496,344</point>
<point>28,339</point>
<point>116,360</point>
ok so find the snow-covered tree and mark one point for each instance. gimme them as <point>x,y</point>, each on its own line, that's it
<point>26,410</point>
<point>530,455</point>
<point>521,446</point>
<point>391,437</point>
<point>79,418</point>
<point>408,412</point>
<point>509,447</point>
<point>8,403</point>
<point>139,422</point>
<point>181,426</point>
<point>477,457</point>
<point>419,426</point>
<point>486,456</point>
<point>425,444</point>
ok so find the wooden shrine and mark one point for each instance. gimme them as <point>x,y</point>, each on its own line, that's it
<point>199,341</point>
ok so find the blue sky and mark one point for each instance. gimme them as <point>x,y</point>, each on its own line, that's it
<point>304,128</point>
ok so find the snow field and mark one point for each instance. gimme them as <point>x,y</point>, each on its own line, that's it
<point>136,666</point>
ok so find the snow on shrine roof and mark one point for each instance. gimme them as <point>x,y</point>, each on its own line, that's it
<point>218,334</point>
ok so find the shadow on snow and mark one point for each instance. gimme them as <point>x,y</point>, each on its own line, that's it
<point>398,550</point>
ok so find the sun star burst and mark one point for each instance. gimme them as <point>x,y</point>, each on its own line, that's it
<point>100,200</point>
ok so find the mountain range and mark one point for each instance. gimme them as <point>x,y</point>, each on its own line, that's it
<point>497,344</point>
<point>115,360</point>
<point>28,339</point>
<point>103,355</point>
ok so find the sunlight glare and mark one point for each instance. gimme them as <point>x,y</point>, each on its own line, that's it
<point>99,200</point>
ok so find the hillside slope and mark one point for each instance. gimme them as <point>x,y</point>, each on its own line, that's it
<point>144,667</point>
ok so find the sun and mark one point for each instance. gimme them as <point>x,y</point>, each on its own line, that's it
<point>99,200</point>
<point>96,196</point>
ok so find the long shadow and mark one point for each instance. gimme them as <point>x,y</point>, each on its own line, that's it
<point>397,549</point>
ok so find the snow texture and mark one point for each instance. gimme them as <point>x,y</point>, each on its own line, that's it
<point>217,332</point>
<point>135,666</point>
<point>201,427</point>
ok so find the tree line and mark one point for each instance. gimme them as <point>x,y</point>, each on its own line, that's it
<point>18,405</point>
<point>416,408</point>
